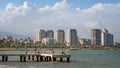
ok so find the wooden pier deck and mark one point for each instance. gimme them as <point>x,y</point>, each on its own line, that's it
<point>42,56</point>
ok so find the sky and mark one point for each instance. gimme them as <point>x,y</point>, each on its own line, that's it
<point>25,17</point>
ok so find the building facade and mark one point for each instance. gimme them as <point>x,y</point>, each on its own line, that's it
<point>88,42</point>
<point>60,37</point>
<point>40,35</point>
<point>72,37</point>
<point>101,37</point>
<point>47,41</point>
<point>50,34</point>
<point>83,41</point>
<point>96,37</point>
<point>106,38</point>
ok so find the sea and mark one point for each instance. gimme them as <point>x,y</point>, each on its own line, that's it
<point>79,59</point>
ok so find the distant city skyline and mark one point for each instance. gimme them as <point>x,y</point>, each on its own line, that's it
<point>100,37</point>
<point>26,16</point>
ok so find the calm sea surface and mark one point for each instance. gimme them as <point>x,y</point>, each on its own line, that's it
<point>79,59</point>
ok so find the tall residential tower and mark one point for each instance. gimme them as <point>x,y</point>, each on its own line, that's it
<point>96,37</point>
<point>101,37</point>
<point>72,37</point>
<point>106,38</point>
<point>40,35</point>
<point>50,34</point>
<point>60,37</point>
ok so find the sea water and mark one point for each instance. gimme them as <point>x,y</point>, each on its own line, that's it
<point>79,59</point>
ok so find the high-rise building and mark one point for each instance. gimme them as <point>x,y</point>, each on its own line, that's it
<point>60,37</point>
<point>40,35</point>
<point>104,34</point>
<point>72,37</point>
<point>101,37</point>
<point>106,38</point>
<point>96,37</point>
<point>37,38</point>
<point>110,39</point>
<point>50,34</point>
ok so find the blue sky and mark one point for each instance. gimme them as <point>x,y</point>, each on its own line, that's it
<point>26,16</point>
<point>75,3</point>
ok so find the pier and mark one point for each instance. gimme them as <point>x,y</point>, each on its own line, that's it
<point>39,56</point>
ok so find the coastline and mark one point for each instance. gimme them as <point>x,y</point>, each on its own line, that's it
<point>15,49</point>
<point>33,49</point>
<point>23,49</point>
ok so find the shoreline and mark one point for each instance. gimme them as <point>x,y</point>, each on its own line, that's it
<point>33,49</point>
<point>23,49</point>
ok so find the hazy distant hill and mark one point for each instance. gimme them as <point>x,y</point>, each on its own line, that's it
<point>17,36</point>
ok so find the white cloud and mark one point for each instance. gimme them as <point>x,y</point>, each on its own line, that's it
<point>96,7</point>
<point>23,9</point>
<point>78,9</point>
<point>60,15</point>
<point>91,24</point>
<point>11,11</point>
<point>47,7</point>
<point>10,7</point>
<point>101,8</point>
<point>59,6</point>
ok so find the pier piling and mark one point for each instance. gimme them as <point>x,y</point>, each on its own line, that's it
<point>41,58</point>
<point>61,59</point>
<point>2,58</point>
<point>68,59</point>
<point>54,59</point>
<point>24,58</point>
<point>21,58</point>
<point>28,57</point>
<point>32,57</point>
<point>37,57</point>
<point>6,58</point>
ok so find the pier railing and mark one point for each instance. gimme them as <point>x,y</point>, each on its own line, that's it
<point>50,51</point>
<point>39,51</point>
